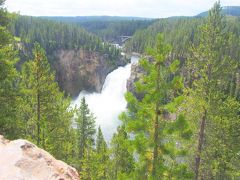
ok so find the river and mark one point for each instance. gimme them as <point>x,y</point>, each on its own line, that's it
<point>108,104</point>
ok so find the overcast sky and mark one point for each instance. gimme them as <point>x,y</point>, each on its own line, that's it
<point>140,8</point>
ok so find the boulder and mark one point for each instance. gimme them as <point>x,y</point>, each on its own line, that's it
<point>20,159</point>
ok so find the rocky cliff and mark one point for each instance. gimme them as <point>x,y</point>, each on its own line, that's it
<point>83,70</point>
<point>21,159</point>
<point>136,73</point>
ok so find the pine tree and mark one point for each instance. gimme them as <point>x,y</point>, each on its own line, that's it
<point>155,137</point>
<point>102,156</point>
<point>44,108</point>
<point>85,136</point>
<point>211,67</point>
<point>10,124</point>
<point>101,145</point>
<point>122,161</point>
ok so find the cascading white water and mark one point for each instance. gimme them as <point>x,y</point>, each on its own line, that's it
<point>108,104</point>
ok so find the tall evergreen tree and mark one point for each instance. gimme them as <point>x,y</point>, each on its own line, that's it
<point>211,67</point>
<point>85,127</point>
<point>85,137</point>
<point>102,156</point>
<point>100,142</point>
<point>122,160</point>
<point>44,108</point>
<point>10,125</point>
<point>146,119</point>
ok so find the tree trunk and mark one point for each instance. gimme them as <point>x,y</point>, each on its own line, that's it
<point>236,94</point>
<point>200,144</point>
<point>156,125</point>
<point>43,138</point>
<point>155,151</point>
<point>38,104</point>
<point>38,119</point>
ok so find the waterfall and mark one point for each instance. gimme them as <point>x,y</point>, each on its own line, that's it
<point>108,104</point>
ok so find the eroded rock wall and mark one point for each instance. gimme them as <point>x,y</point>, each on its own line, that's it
<point>82,70</point>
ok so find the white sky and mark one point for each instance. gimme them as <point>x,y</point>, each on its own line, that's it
<point>139,8</point>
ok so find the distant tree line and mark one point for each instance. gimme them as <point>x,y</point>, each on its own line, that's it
<point>53,36</point>
<point>108,28</point>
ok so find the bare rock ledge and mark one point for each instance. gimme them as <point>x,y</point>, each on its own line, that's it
<point>22,160</point>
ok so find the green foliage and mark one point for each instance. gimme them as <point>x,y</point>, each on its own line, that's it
<point>102,157</point>
<point>122,161</point>
<point>10,125</point>
<point>111,30</point>
<point>222,135</point>
<point>155,138</point>
<point>107,27</point>
<point>179,120</point>
<point>178,32</point>
<point>44,109</point>
<point>210,68</point>
<point>31,100</point>
<point>54,36</point>
<point>85,128</point>
<point>4,16</point>
<point>100,143</point>
<point>227,10</point>
<point>85,140</point>
<point>92,161</point>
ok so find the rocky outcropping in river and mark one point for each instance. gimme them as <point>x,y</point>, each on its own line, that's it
<point>83,70</point>
<point>21,159</point>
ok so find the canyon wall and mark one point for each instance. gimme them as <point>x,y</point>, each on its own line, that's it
<point>78,70</point>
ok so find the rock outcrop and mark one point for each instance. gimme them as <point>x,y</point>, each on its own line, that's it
<point>21,159</point>
<point>136,73</point>
<point>83,70</point>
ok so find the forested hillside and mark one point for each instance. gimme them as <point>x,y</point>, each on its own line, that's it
<point>56,35</point>
<point>67,46</point>
<point>186,125</point>
<point>226,10</point>
<point>108,28</point>
<point>179,32</point>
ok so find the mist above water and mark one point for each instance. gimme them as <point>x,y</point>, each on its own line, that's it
<point>108,104</point>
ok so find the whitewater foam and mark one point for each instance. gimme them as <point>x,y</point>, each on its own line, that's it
<point>108,104</point>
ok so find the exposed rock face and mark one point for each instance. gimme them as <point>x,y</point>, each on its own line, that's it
<point>21,159</point>
<point>136,73</point>
<point>82,70</point>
